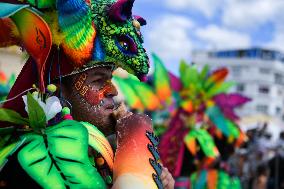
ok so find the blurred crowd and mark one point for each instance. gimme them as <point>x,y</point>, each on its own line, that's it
<point>260,162</point>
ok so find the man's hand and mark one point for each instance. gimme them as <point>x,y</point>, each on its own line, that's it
<point>121,112</point>
<point>167,179</point>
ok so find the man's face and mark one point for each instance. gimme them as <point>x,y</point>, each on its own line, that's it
<point>91,95</point>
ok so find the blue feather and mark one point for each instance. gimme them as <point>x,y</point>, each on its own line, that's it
<point>99,54</point>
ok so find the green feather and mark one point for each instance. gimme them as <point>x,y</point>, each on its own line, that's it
<point>161,79</point>
<point>130,96</point>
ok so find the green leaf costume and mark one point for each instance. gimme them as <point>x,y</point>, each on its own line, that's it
<point>59,157</point>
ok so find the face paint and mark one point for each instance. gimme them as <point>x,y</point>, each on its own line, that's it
<point>94,97</point>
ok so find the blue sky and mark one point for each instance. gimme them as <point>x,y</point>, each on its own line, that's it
<point>176,28</point>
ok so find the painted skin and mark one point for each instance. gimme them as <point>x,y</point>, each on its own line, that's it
<point>104,117</point>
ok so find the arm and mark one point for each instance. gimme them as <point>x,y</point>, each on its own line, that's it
<point>131,163</point>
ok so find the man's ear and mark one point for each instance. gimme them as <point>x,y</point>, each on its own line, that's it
<point>63,87</point>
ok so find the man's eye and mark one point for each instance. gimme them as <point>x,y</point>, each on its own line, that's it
<point>97,80</point>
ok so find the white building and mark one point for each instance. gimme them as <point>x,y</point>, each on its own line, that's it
<point>258,74</point>
<point>11,60</point>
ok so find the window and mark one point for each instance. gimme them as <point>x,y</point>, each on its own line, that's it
<point>267,55</point>
<point>263,89</point>
<point>278,110</point>
<point>262,108</point>
<point>278,78</point>
<point>236,71</point>
<point>240,87</point>
<point>264,70</point>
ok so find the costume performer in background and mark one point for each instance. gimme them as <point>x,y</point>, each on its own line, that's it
<point>54,136</point>
<point>5,85</point>
<point>195,117</point>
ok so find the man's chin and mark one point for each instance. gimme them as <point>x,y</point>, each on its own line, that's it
<point>106,124</point>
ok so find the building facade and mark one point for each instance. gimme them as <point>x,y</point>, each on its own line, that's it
<point>257,73</point>
<point>11,60</point>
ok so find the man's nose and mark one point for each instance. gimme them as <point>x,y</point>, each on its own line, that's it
<point>111,91</point>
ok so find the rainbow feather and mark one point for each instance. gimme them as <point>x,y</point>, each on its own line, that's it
<point>204,139</point>
<point>227,127</point>
<point>161,80</point>
<point>146,95</point>
<point>189,76</point>
<point>75,21</point>
<point>216,77</point>
<point>213,179</point>
<point>201,181</point>
<point>3,78</point>
<point>36,38</point>
<point>187,105</point>
<point>138,95</point>
<point>5,85</point>
<point>129,93</point>
<point>218,89</point>
<point>190,143</point>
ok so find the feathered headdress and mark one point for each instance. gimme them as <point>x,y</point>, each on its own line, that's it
<point>65,37</point>
<point>89,32</point>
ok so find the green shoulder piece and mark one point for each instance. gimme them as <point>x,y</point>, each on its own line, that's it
<point>235,183</point>
<point>6,151</point>
<point>205,140</point>
<point>223,180</point>
<point>58,158</point>
<point>99,142</point>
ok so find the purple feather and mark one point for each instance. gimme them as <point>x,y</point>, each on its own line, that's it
<point>228,103</point>
<point>175,82</point>
<point>172,147</point>
<point>121,10</point>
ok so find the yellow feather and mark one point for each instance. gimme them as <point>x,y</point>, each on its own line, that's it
<point>52,19</point>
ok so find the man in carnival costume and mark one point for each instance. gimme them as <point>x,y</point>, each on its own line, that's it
<point>57,136</point>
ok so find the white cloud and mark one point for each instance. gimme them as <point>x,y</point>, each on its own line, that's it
<point>221,38</point>
<point>207,7</point>
<point>249,14</point>
<point>277,42</point>
<point>169,37</point>
<point>237,14</point>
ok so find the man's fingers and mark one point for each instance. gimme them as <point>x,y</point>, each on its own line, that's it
<point>165,172</point>
<point>121,112</point>
<point>171,183</point>
<point>167,179</point>
<point>165,183</point>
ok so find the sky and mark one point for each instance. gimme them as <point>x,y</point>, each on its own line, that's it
<point>176,28</point>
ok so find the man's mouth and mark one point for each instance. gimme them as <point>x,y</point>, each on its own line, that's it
<point>109,106</point>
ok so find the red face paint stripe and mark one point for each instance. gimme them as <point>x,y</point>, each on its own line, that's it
<point>93,97</point>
